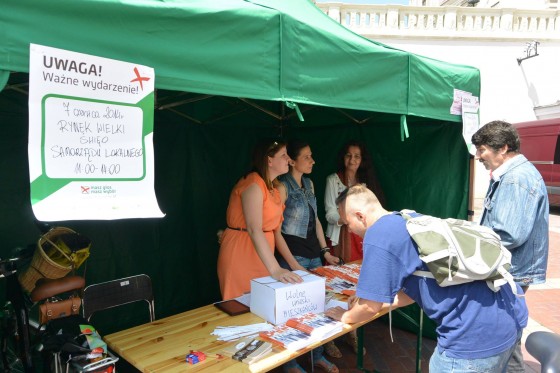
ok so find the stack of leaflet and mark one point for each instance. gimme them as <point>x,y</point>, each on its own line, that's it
<point>300,332</point>
<point>317,325</point>
<point>340,279</point>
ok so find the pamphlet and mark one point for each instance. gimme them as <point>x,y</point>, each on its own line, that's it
<point>318,326</point>
<point>287,337</point>
<point>301,331</point>
<point>340,279</point>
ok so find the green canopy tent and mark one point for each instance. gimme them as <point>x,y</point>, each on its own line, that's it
<point>226,72</point>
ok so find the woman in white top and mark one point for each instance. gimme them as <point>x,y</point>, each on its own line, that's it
<point>353,166</point>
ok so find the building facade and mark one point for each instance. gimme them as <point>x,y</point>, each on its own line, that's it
<point>516,50</point>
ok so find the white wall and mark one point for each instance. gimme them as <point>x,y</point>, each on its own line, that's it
<point>490,39</point>
<point>509,91</point>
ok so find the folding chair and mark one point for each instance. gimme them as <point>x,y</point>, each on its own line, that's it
<point>119,292</point>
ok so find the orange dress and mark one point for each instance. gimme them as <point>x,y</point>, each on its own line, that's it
<point>238,261</point>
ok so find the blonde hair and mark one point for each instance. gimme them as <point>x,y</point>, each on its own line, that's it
<point>361,196</point>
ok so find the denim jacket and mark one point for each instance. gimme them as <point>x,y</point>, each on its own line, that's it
<point>516,207</point>
<point>296,213</point>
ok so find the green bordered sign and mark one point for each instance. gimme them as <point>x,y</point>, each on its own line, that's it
<point>90,137</point>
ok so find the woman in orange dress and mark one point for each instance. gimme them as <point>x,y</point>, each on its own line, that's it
<point>254,220</point>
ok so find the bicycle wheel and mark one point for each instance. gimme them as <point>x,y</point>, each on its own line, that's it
<point>11,356</point>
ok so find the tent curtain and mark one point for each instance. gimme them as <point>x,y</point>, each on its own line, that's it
<point>4,76</point>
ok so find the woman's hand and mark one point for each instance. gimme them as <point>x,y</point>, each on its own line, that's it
<point>285,276</point>
<point>331,259</point>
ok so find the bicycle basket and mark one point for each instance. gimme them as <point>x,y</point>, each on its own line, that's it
<point>55,256</point>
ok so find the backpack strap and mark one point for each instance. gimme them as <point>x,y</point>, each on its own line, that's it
<point>420,273</point>
<point>405,213</point>
<point>507,278</point>
<point>493,285</point>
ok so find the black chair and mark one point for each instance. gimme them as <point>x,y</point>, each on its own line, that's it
<point>545,347</point>
<point>118,292</point>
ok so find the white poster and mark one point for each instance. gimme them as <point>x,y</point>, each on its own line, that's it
<point>471,123</point>
<point>456,106</point>
<point>90,137</point>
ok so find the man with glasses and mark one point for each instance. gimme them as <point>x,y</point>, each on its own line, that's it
<point>515,207</point>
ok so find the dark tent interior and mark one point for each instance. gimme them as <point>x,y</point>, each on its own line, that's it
<point>210,111</point>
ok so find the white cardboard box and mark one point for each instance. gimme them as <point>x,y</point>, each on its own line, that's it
<point>276,302</point>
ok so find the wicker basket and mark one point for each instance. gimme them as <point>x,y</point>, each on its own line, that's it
<point>41,265</point>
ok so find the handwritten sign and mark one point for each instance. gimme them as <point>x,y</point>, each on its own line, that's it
<point>90,137</point>
<point>276,302</point>
<point>92,140</point>
<point>298,302</point>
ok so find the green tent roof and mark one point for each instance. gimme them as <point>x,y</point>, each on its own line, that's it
<point>257,54</point>
<point>272,50</point>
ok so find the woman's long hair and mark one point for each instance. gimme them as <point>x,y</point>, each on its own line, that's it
<point>265,148</point>
<point>366,172</point>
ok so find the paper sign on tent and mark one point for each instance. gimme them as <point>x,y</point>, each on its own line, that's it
<point>90,137</point>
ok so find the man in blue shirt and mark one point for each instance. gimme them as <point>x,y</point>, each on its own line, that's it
<point>515,207</point>
<point>477,328</point>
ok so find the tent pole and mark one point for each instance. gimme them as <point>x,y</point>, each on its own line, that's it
<point>470,202</point>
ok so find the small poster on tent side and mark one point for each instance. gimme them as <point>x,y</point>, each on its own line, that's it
<point>90,137</point>
<point>470,105</point>
<point>456,107</point>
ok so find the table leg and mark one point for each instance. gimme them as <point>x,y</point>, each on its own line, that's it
<point>360,354</point>
<point>420,325</point>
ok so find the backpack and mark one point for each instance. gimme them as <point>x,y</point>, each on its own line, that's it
<point>459,251</point>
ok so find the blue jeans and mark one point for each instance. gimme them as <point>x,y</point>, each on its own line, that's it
<point>440,363</point>
<point>306,263</point>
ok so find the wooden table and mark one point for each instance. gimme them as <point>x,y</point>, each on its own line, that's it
<point>161,346</point>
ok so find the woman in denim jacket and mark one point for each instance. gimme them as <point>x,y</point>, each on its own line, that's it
<point>515,207</point>
<point>302,229</point>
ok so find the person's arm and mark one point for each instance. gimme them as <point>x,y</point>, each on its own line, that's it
<point>331,193</point>
<point>331,259</point>
<point>363,309</point>
<point>284,250</point>
<point>513,214</point>
<point>252,203</point>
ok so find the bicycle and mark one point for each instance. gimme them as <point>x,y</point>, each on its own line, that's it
<point>15,330</point>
